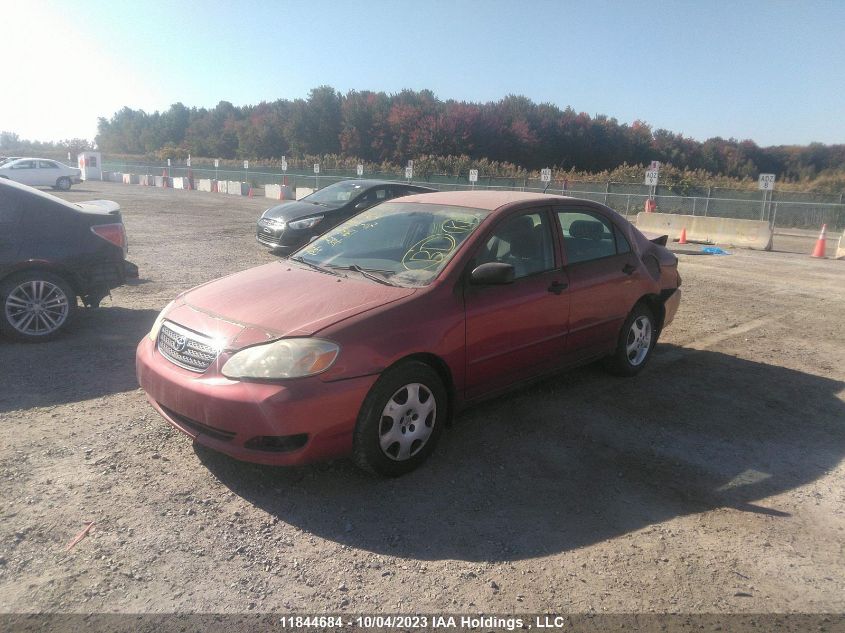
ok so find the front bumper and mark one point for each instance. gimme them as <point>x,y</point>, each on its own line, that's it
<point>280,238</point>
<point>225,415</point>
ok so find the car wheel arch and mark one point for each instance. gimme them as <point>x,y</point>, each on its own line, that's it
<point>654,303</point>
<point>58,271</point>
<point>443,371</point>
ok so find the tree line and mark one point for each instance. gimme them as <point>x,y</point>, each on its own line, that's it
<point>381,128</point>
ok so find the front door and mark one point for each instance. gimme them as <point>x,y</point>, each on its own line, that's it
<point>518,330</point>
<point>25,172</point>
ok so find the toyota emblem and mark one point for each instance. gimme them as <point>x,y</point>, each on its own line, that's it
<point>181,343</point>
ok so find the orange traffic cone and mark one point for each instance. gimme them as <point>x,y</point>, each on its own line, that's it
<point>683,238</point>
<point>249,194</point>
<point>821,243</point>
<point>164,179</point>
<point>281,193</point>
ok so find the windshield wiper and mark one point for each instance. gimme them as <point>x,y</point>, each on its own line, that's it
<point>368,273</point>
<point>316,267</point>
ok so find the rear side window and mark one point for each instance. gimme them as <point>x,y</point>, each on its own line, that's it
<point>588,236</point>
<point>24,164</point>
<point>46,164</point>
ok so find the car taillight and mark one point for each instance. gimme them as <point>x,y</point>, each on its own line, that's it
<point>114,233</point>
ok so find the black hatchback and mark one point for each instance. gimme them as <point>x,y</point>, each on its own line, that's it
<point>51,252</point>
<point>286,227</point>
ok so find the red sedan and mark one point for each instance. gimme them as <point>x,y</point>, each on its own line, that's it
<point>367,340</point>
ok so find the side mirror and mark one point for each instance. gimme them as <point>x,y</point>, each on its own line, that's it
<point>313,237</point>
<point>492,273</point>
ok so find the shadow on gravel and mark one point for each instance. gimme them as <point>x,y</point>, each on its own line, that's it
<point>97,358</point>
<point>574,460</point>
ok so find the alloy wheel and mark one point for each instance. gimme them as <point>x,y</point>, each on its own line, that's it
<point>37,307</point>
<point>638,343</point>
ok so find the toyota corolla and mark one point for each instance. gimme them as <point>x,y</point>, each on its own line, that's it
<point>366,341</point>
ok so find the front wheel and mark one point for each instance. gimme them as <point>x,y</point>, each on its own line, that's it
<point>35,306</point>
<point>636,342</point>
<point>401,420</point>
<point>63,184</point>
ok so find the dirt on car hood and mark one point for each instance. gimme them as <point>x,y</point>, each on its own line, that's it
<point>277,300</point>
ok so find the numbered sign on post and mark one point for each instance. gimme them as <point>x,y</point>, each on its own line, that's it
<point>316,168</point>
<point>216,163</point>
<point>651,177</point>
<point>168,162</point>
<point>409,172</point>
<point>360,170</point>
<point>546,175</point>
<point>284,165</point>
<point>188,162</point>
<point>766,182</point>
<point>473,175</point>
<point>246,164</point>
<point>411,164</point>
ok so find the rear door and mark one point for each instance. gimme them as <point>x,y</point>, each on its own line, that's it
<point>48,173</point>
<point>604,280</point>
<point>518,330</point>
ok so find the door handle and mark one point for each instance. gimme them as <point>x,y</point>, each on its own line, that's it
<point>628,269</point>
<point>558,286</point>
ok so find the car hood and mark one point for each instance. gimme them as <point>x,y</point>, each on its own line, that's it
<point>276,300</point>
<point>299,209</point>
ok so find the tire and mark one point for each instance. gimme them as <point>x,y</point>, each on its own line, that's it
<point>392,446</point>
<point>63,184</point>
<point>637,339</point>
<point>35,306</point>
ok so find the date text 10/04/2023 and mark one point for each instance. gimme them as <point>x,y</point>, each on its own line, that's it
<point>425,621</point>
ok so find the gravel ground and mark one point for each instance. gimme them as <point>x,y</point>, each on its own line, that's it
<point>713,482</point>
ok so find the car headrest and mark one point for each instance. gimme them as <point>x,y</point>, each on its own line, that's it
<point>587,229</point>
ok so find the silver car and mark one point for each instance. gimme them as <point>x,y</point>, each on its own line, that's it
<point>40,172</point>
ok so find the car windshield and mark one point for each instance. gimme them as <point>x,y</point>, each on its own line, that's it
<point>337,194</point>
<point>405,244</point>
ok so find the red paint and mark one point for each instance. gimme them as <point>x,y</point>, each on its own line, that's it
<point>487,338</point>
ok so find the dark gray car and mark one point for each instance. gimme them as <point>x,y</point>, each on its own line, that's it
<point>287,227</point>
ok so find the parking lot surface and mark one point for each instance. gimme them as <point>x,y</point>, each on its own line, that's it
<point>712,482</point>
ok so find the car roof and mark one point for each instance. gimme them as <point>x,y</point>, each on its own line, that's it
<point>489,200</point>
<point>367,182</point>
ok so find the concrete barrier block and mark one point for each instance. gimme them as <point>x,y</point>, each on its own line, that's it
<point>273,191</point>
<point>301,192</point>
<point>840,248</point>
<point>204,184</point>
<point>754,234</point>
<point>234,188</point>
<point>222,186</point>
<point>159,181</point>
<point>178,182</point>
<point>124,178</point>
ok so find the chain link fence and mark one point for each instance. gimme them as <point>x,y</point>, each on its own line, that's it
<point>785,209</point>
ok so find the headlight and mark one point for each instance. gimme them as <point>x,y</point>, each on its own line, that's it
<point>307,223</point>
<point>287,358</point>
<point>159,320</point>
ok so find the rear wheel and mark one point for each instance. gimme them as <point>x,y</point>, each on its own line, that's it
<point>636,342</point>
<point>36,306</point>
<point>401,420</point>
<point>63,184</point>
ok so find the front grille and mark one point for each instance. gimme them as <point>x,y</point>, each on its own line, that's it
<point>199,427</point>
<point>269,240</point>
<point>185,348</point>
